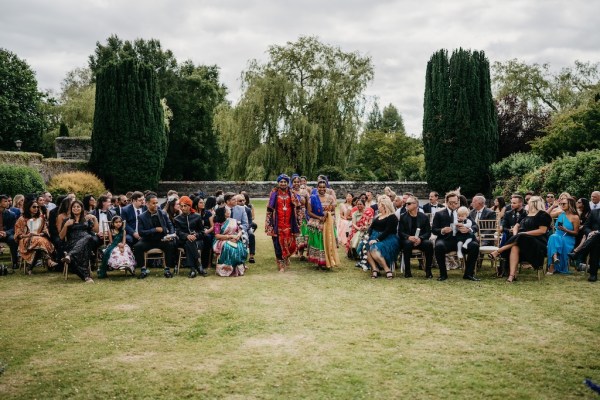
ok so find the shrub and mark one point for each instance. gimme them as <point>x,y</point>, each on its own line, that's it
<point>20,179</point>
<point>579,174</point>
<point>80,183</point>
<point>332,172</point>
<point>517,164</point>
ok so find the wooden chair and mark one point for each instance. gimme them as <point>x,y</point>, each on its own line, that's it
<point>489,240</point>
<point>416,254</point>
<point>154,254</point>
<point>180,258</point>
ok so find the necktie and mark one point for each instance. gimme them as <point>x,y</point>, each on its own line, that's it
<point>137,214</point>
<point>478,216</point>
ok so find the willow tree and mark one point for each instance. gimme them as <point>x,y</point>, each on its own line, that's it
<point>129,142</point>
<point>460,128</point>
<point>298,112</point>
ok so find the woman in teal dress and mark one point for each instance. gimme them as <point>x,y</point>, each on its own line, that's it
<point>562,241</point>
<point>228,245</point>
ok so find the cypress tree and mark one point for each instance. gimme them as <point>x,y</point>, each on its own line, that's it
<point>128,138</point>
<point>460,134</point>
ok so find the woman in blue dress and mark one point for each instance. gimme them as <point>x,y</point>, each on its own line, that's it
<point>562,241</point>
<point>228,244</point>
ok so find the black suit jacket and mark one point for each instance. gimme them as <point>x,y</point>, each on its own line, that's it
<point>427,208</point>
<point>443,219</point>
<point>593,222</point>
<point>8,221</point>
<point>128,215</point>
<point>405,226</point>
<point>186,224</point>
<point>146,228</point>
<point>486,213</point>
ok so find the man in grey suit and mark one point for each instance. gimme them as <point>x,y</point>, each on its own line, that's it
<point>237,212</point>
<point>480,211</point>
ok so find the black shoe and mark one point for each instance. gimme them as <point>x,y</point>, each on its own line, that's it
<point>201,271</point>
<point>442,278</point>
<point>471,278</point>
<point>15,266</point>
<point>168,274</point>
<point>251,260</point>
<point>143,274</point>
<point>429,276</point>
<point>408,275</point>
<point>593,278</point>
<point>192,274</point>
<point>572,255</point>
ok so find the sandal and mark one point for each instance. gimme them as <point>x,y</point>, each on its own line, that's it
<point>374,274</point>
<point>494,255</point>
<point>389,275</point>
<point>511,279</point>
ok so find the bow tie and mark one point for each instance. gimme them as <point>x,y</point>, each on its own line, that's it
<point>102,212</point>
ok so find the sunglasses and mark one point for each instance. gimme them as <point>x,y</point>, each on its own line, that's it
<point>35,207</point>
<point>549,197</point>
<point>564,204</point>
<point>408,203</point>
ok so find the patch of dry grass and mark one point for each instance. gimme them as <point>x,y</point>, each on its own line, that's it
<point>302,334</point>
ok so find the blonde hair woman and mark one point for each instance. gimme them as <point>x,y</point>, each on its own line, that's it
<point>529,242</point>
<point>383,246</point>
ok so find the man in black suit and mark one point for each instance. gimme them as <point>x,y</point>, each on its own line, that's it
<point>591,245</point>
<point>512,217</point>
<point>443,224</point>
<point>433,206</point>
<point>480,211</point>
<point>409,223</point>
<point>156,232</point>
<point>190,232</point>
<point>121,202</point>
<point>103,214</point>
<point>130,215</point>
<point>7,229</point>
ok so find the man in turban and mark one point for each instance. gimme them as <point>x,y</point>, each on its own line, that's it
<point>190,231</point>
<point>281,223</point>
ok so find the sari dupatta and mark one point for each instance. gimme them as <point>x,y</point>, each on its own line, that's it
<point>332,258</point>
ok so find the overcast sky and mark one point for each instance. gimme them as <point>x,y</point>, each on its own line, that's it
<point>400,36</point>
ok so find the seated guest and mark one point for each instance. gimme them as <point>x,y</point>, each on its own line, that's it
<point>7,229</point>
<point>583,210</point>
<point>17,207</point>
<point>344,220</point>
<point>52,217</point>
<point>48,201</point>
<point>117,254</point>
<point>244,200</point>
<point>131,214</point>
<point>228,244</point>
<point>562,241</point>
<point>205,209</point>
<point>528,243</point>
<point>555,209</point>
<point>414,231</point>
<point>443,223</point>
<point>78,231</point>
<point>120,202</point>
<point>190,231</point>
<point>511,218</point>
<point>104,215</point>
<point>361,221</point>
<point>433,206</point>
<point>31,232</point>
<point>383,245</point>
<point>591,246</point>
<point>173,208</point>
<point>595,200</point>
<point>89,203</point>
<point>499,209</point>
<point>399,206</point>
<point>237,212</point>
<point>156,232</point>
<point>480,211</point>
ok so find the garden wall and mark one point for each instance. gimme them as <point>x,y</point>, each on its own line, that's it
<point>48,167</point>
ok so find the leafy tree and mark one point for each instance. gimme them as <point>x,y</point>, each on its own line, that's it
<point>299,111</point>
<point>543,90</point>
<point>190,95</point>
<point>460,132</point>
<point>21,104</point>
<point>129,143</point>
<point>76,102</point>
<point>570,132</point>
<point>518,125</point>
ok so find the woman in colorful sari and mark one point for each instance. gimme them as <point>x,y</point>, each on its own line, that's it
<point>344,222</point>
<point>361,221</point>
<point>301,216</point>
<point>31,233</point>
<point>322,249</point>
<point>228,244</point>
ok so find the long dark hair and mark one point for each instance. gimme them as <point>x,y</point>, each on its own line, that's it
<point>210,202</point>
<point>220,215</point>
<point>65,206</point>
<point>86,202</point>
<point>586,209</point>
<point>71,215</point>
<point>26,209</point>
<point>501,203</point>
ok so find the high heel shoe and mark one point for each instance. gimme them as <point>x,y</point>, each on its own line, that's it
<point>494,255</point>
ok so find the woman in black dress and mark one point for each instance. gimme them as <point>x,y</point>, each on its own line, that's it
<point>78,231</point>
<point>529,242</point>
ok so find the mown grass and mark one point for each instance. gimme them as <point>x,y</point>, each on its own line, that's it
<point>301,334</point>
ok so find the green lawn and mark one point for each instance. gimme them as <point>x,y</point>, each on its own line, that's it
<point>301,334</point>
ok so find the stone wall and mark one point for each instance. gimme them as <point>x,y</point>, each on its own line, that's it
<point>73,148</point>
<point>47,167</point>
<point>262,189</point>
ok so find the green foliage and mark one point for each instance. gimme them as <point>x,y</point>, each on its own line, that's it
<point>21,104</point>
<point>389,121</point>
<point>76,103</point>
<point>570,132</point>
<point>517,164</point>
<point>63,130</point>
<point>460,133</point>
<point>81,183</point>
<point>303,106</point>
<point>333,173</point>
<point>16,179</point>
<point>537,86</point>
<point>579,174</point>
<point>129,140</point>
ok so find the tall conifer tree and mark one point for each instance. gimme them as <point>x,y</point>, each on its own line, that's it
<point>460,132</point>
<point>129,140</point>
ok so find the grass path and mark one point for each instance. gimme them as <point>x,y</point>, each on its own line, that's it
<point>301,334</point>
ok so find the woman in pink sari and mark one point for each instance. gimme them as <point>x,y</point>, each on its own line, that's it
<point>344,222</point>
<point>361,220</point>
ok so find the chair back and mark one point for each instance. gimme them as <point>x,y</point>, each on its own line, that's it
<point>488,232</point>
